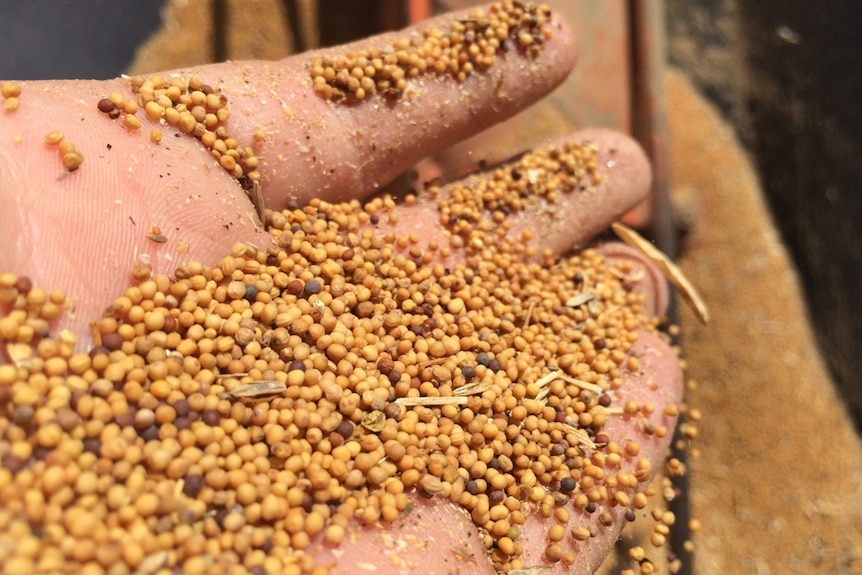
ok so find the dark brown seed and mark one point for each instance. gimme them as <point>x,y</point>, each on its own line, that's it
<point>93,445</point>
<point>211,417</point>
<point>23,285</point>
<point>193,485</point>
<point>182,407</point>
<point>23,415</point>
<point>106,106</point>
<point>112,341</point>
<point>311,287</point>
<point>567,484</point>
<point>392,411</point>
<point>345,429</point>
<point>296,365</point>
<point>294,287</point>
<point>469,372</point>
<point>14,463</point>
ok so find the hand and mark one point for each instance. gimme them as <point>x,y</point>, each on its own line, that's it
<point>83,232</point>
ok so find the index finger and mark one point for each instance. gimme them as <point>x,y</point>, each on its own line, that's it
<point>346,120</point>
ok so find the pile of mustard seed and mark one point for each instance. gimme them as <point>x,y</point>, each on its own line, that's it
<point>466,46</point>
<point>228,417</point>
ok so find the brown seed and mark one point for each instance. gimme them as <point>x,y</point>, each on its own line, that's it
<point>106,106</point>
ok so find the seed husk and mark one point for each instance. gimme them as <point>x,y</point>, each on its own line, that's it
<point>258,389</point>
<point>581,299</point>
<point>256,196</point>
<point>534,570</point>
<point>424,401</point>
<point>670,270</point>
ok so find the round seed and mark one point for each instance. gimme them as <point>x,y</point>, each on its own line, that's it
<point>54,138</point>
<point>11,89</point>
<point>72,161</point>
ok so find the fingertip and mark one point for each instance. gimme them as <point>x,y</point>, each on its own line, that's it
<point>621,179</point>
<point>644,277</point>
<point>580,184</point>
<point>564,48</point>
<point>623,162</point>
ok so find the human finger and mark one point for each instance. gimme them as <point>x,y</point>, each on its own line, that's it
<point>344,121</point>
<point>541,204</point>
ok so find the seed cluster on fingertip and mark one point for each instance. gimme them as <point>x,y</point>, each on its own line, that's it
<point>10,91</point>
<point>233,418</point>
<point>192,107</point>
<point>466,46</point>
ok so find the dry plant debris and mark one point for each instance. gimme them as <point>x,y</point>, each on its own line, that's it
<point>671,271</point>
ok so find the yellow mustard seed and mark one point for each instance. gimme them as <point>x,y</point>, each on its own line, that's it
<point>54,138</point>
<point>556,533</point>
<point>72,161</point>
<point>11,89</point>
<point>131,122</point>
<point>153,111</point>
<point>66,147</point>
<point>581,533</point>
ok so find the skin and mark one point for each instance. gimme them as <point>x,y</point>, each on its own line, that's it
<point>84,232</point>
